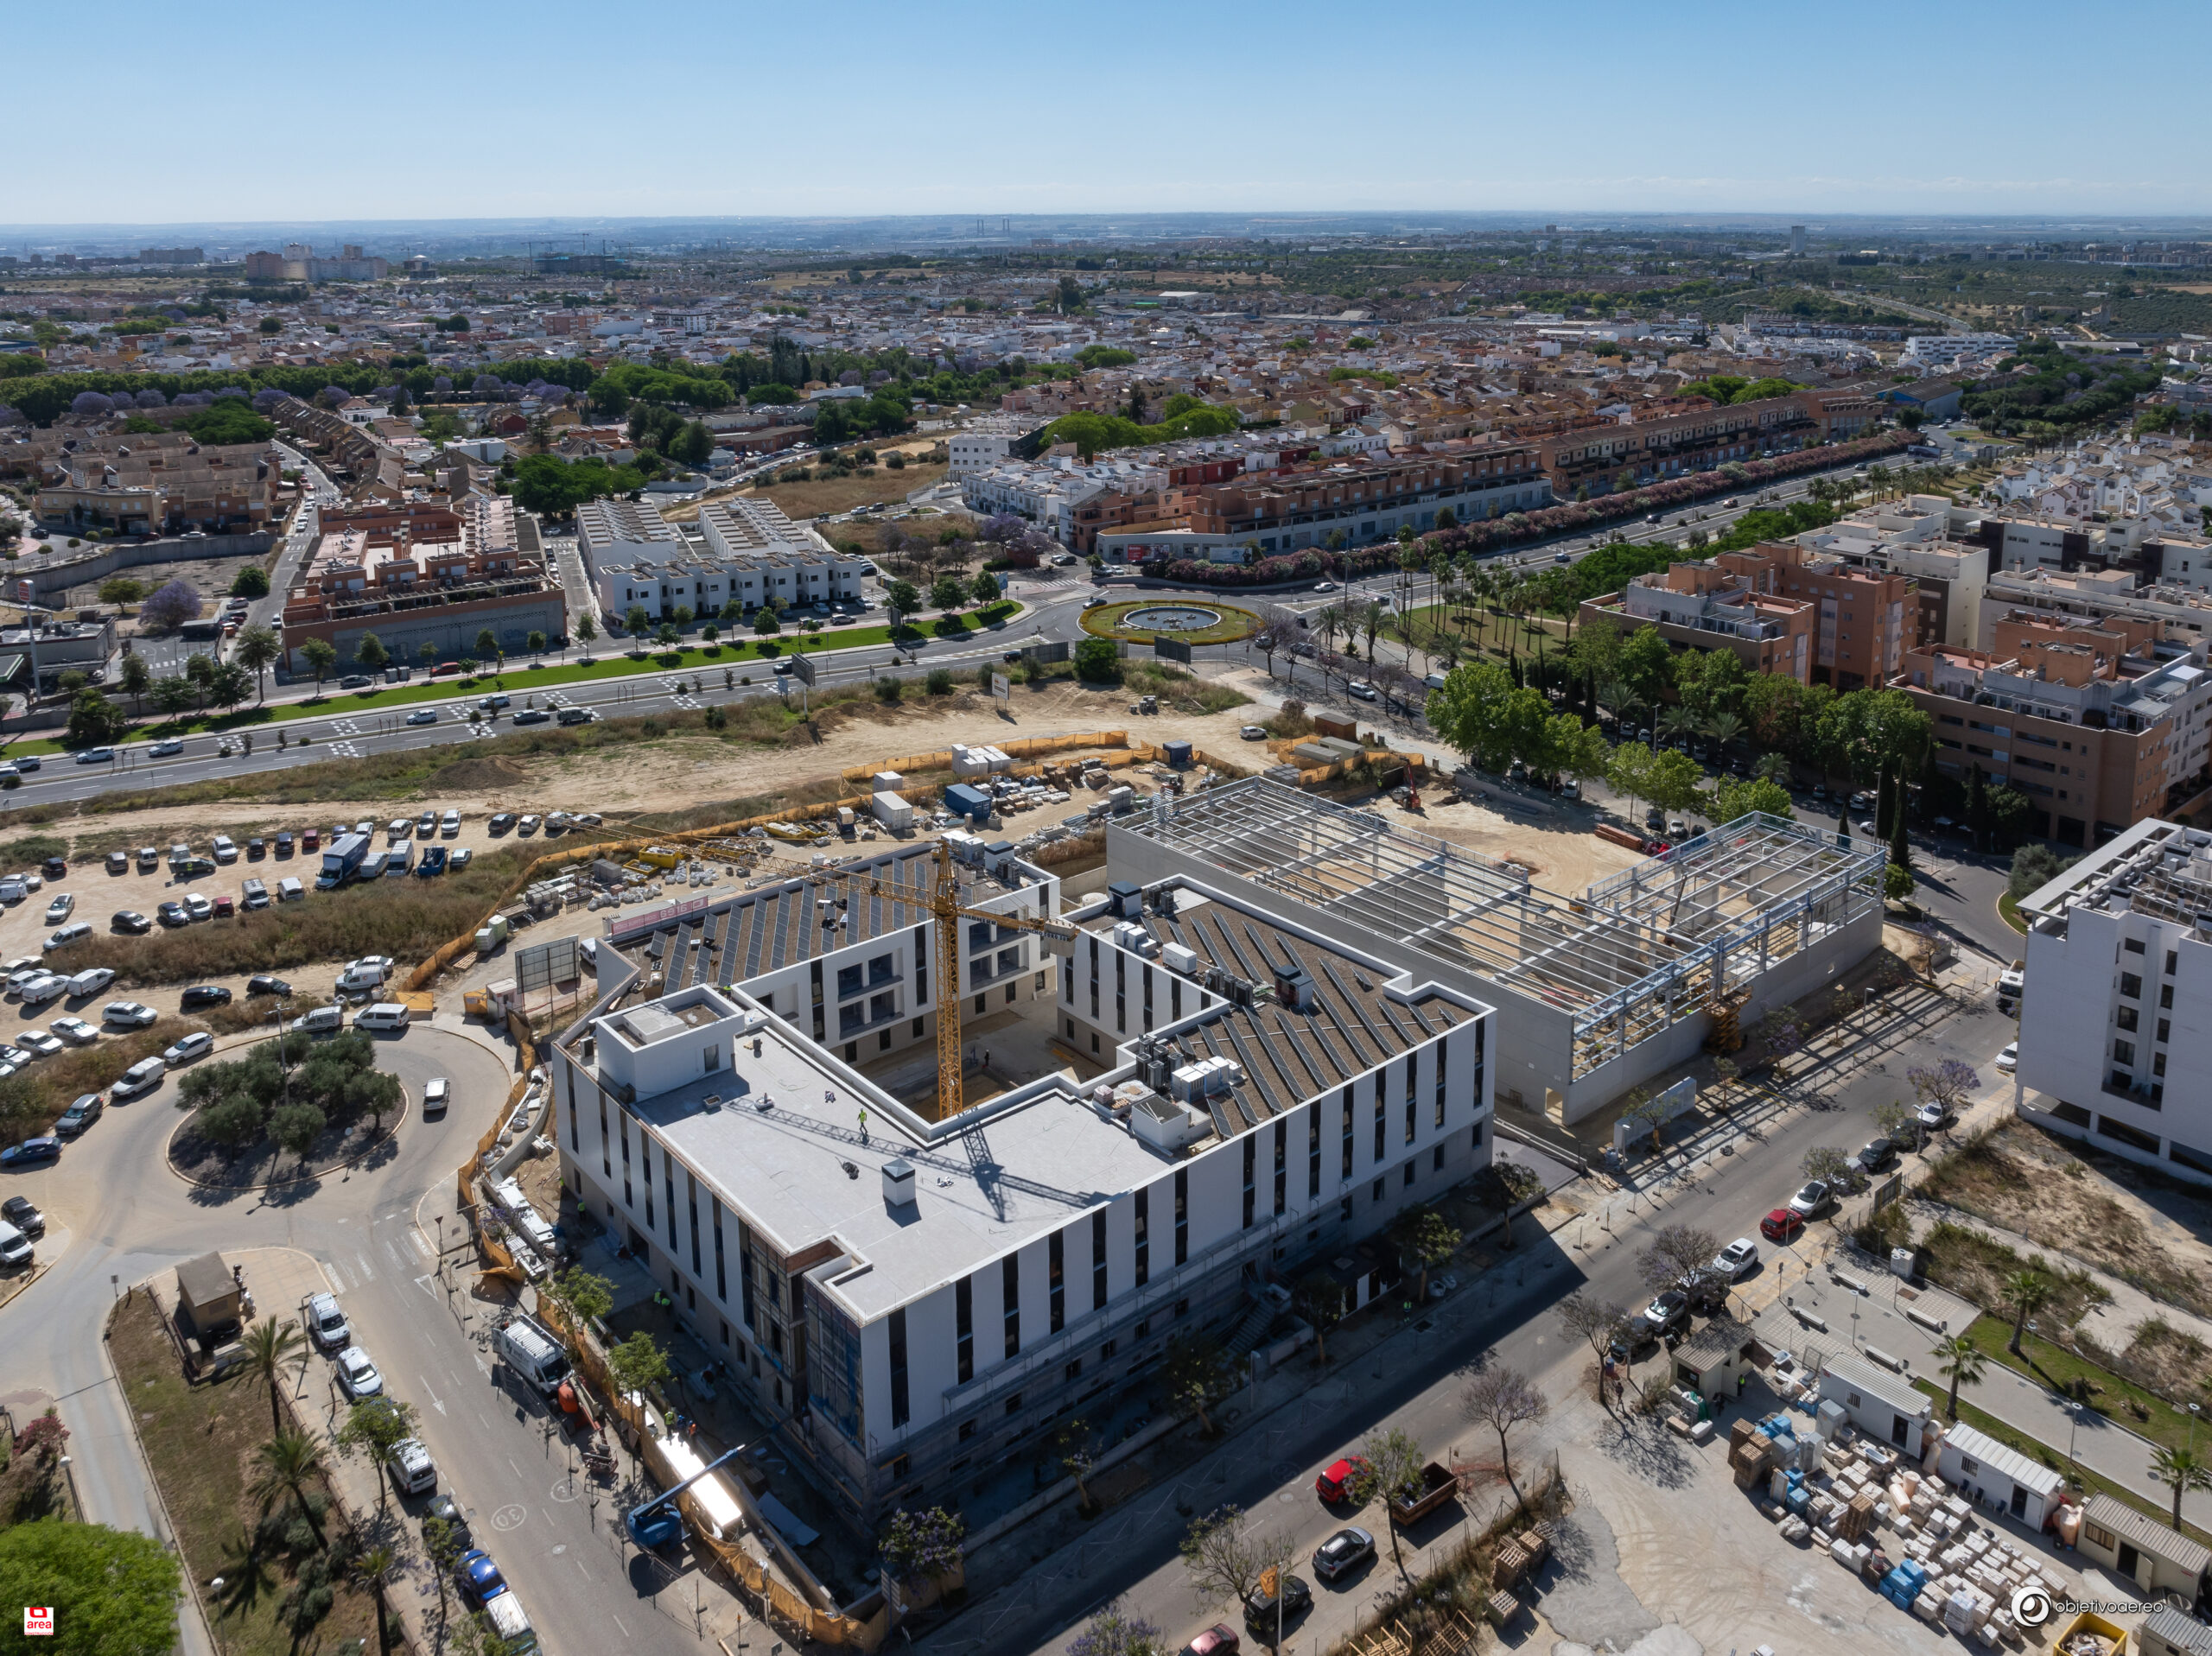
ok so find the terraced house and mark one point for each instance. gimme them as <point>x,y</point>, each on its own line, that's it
<point>1600,460</point>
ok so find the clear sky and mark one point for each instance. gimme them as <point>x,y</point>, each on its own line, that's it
<point>131,112</point>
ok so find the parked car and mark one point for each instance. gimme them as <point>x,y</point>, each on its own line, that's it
<point>1342,1553</point>
<point>479,1577</point>
<point>1666,1313</point>
<point>19,1212</point>
<point>130,921</point>
<point>450,824</point>
<point>172,913</point>
<point>197,1045</point>
<point>1254,733</point>
<point>32,1152</point>
<point>1874,1155</point>
<point>197,907</point>
<point>76,1032</point>
<point>437,1093</point>
<point>227,850</point>
<point>527,825</point>
<point>79,1115</point>
<point>2010,983</point>
<point>118,862</point>
<point>1219,1639</point>
<point>2009,1059</point>
<point>398,829</point>
<point>1781,1226</point>
<point>284,843</point>
<point>204,995</point>
<point>357,1374</point>
<point>1736,1261</point>
<point>128,1014</point>
<point>1335,1483</point>
<point>460,859</point>
<point>1361,689</point>
<point>41,1044</point>
<point>444,1507</point>
<point>60,908</point>
<point>266,984</point>
<point>1265,1612</point>
<point>502,821</point>
<point>1812,1196</point>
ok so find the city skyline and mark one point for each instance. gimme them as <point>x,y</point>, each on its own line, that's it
<point>1480,109</point>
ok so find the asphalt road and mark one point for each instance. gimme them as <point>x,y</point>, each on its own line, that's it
<point>116,1214</point>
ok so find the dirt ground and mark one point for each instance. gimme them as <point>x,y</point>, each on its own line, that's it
<point>1560,853</point>
<point>2103,1210</point>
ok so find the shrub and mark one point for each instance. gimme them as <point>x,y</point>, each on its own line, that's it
<point>890,690</point>
<point>1098,661</point>
<point>940,681</point>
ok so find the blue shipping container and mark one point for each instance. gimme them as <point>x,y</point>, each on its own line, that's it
<point>964,801</point>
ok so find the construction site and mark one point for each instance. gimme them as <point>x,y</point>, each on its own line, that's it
<point>1595,991</point>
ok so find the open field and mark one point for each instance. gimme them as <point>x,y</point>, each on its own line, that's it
<point>200,1440</point>
<point>801,501</point>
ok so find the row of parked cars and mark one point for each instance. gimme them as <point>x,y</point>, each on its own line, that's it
<point>413,1472</point>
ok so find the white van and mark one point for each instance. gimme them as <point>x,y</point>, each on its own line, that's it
<point>254,894</point>
<point>504,1611</point>
<point>325,1321</point>
<point>91,982</point>
<point>319,1020</point>
<point>383,1018</point>
<point>531,1353</point>
<point>412,1468</point>
<point>142,1077</point>
<point>290,890</point>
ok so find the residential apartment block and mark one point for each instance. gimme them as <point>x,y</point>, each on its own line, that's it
<point>745,551</point>
<point>143,483</point>
<point>2119,998</point>
<point>2098,723</point>
<point>1760,602</point>
<point>426,573</point>
<point>1361,498</point>
<point>1593,460</point>
<point>908,1317</point>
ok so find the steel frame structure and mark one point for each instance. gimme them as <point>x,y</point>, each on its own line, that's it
<point>1638,950</point>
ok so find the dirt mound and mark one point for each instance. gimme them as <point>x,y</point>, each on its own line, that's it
<point>479,775</point>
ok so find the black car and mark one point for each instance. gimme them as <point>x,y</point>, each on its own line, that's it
<point>19,1212</point>
<point>204,995</point>
<point>532,716</point>
<point>1262,1612</point>
<point>173,914</point>
<point>131,921</point>
<point>444,1507</point>
<point>1877,1154</point>
<point>267,986</point>
<point>284,843</point>
<point>501,822</point>
<point>1342,1553</point>
<point>256,850</point>
<point>54,868</point>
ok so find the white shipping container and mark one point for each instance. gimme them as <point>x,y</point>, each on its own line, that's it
<point>893,811</point>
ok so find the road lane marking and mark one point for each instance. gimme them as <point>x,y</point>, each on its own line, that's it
<point>435,1404</point>
<point>423,1283</point>
<point>367,1274</point>
<point>618,1622</point>
<point>332,1275</point>
<point>511,1461</point>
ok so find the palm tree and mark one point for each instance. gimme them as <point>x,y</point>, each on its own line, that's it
<point>2180,1470</point>
<point>1773,767</point>
<point>1959,1361</point>
<point>270,1349</point>
<point>289,1464</point>
<point>1678,724</point>
<point>371,1569</point>
<point>2029,1290</point>
<point>255,650</point>
<point>1722,728</point>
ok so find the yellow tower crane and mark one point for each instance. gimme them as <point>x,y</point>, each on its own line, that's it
<point>941,897</point>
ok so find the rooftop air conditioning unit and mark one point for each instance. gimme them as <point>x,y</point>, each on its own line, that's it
<point>898,1182</point>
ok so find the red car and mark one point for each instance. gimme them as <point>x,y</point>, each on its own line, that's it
<point>1219,1639</point>
<point>1781,1226</point>
<point>1332,1484</point>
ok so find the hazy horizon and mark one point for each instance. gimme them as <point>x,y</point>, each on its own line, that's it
<point>708,111</point>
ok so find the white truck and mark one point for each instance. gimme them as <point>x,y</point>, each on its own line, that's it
<point>525,1347</point>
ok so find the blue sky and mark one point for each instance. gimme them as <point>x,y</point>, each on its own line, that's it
<point>224,111</point>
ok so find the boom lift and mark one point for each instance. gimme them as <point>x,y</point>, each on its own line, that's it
<point>653,1524</point>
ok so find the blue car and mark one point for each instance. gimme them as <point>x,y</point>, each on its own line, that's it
<point>32,1152</point>
<point>479,1577</point>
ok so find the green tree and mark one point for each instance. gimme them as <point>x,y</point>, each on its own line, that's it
<point>1097,662</point>
<point>2029,1292</point>
<point>581,1296</point>
<point>250,581</point>
<point>636,1363</point>
<point>948,594</point>
<point>94,721</point>
<point>373,1427</point>
<point>271,1348</point>
<point>1711,682</point>
<point>1897,883</point>
<point>1960,1361</point>
<point>372,654</point>
<point>121,590</point>
<point>138,678</point>
<point>229,684</point>
<point>173,695</point>
<point>985,587</point>
<point>1672,782</point>
<point>766,621</point>
<point>113,1592</point>
<point>2180,1470</point>
<point>535,643</point>
<point>487,645</point>
<point>925,1545</point>
<point>257,649</point>
<point>1732,799</point>
<point>902,597</point>
<point>1482,714</point>
<point>320,656</point>
<point>666,635</point>
<point>1646,664</point>
<point>1424,1238</point>
<point>296,1127</point>
<point>635,621</point>
<point>586,629</point>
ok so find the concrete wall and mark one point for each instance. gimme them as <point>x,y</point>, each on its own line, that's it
<point>93,562</point>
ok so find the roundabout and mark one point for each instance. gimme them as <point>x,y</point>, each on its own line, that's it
<point>1192,623</point>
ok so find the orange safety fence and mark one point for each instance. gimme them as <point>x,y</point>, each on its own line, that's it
<point>502,1265</point>
<point>1020,747</point>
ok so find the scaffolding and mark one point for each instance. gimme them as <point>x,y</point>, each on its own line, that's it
<point>1640,950</point>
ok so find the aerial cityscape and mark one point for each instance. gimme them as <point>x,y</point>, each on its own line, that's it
<point>1006,883</point>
